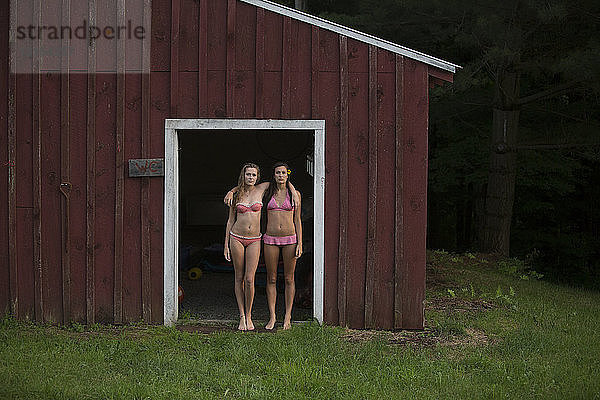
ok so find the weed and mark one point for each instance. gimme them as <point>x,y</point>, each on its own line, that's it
<point>506,298</point>
<point>185,315</point>
<point>77,327</point>
<point>519,269</point>
<point>470,291</point>
<point>450,327</point>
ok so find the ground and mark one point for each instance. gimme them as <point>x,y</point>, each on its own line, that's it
<point>493,330</point>
<point>210,304</point>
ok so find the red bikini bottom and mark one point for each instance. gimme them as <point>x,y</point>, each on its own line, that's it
<point>245,241</point>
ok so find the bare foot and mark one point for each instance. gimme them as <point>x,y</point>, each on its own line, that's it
<point>270,324</point>
<point>242,325</point>
<point>249,324</point>
<point>286,324</point>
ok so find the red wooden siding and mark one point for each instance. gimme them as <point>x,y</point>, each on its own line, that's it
<point>90,217</point>
<point>414,199</point>
<point>371,190</point>
<point>159,93</point>
<point>92,249</point>
<point>77,213</point>
<point>132,260</point>
<point>399,192</point>
<point>6,283</point>
<point>50,221</point>
<point>144,222</point>
<point>358,158</point>
<point>344,189</point>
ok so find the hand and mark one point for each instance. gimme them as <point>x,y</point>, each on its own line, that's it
<point>298,250</point>
<point>226,253</point>
<point>228,198</point>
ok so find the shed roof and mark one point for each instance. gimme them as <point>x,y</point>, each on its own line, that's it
<point>354,34</point>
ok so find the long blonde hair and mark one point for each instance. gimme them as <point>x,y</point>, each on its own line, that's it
<point>241,186</point>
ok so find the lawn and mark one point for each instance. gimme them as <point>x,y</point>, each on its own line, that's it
<point>493,331</point>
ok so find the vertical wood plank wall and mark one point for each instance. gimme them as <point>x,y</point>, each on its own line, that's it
<point>91,249</point>
<point>7,286</point>
<point>77,123</point>
<point>90,186</point>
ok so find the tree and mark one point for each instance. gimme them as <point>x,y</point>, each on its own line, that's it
<point>534,41</point>
<point>515,54</point>
<point>529,86</point>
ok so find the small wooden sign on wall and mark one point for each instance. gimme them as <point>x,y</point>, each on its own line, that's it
<point>146,167</point>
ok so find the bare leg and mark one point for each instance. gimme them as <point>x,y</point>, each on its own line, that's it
<point>252,255</point>
<point>271,259</point>
<point>289,267</point>
<point>237,256</point>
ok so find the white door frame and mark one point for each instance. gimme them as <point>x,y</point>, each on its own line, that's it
<point>171,202</point>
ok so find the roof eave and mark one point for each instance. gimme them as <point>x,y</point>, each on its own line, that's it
<point>354,34</point>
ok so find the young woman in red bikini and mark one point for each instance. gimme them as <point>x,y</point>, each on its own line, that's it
<point>283,236</point>
<point>242,240</point>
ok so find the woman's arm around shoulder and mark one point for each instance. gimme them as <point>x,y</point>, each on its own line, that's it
<point>228,199</point>
<point>263,186</point>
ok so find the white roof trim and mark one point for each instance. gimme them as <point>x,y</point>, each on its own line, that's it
<point>354,34</point>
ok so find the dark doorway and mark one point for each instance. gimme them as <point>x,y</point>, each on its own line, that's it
<point>209,165</point>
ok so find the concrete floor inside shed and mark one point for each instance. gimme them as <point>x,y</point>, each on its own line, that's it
<point>212,298</point>
<point>209,165</point>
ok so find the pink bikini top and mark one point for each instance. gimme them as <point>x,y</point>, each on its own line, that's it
<point>286,206</point>
<point>243,208</point>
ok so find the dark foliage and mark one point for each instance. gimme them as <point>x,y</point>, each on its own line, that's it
<point>550,45</point>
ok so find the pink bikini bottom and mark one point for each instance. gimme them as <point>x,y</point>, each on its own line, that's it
<point>279,240</point>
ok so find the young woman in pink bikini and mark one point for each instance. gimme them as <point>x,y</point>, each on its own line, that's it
<point>283,236</point>
<point>242,240</point>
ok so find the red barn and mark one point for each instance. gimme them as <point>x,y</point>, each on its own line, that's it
<point>99,97</point>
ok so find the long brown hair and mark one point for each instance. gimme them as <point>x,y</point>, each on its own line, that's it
<point>241,186</point>
<point>273,183</point>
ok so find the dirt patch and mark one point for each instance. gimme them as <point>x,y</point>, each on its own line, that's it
<point>458,305</point>
<point>425,338</point>
<point>444,270</point>
<point>205,329</point>
<point>436,277</point>
<point>219,327</point>
<point>475,337</point>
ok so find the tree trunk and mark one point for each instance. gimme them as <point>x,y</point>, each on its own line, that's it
<point>469,217</point>
<point>300,5</point>
<point>460,225</point>
<point>503,164</point>
<point>433,222</point>
<point>479,195</point>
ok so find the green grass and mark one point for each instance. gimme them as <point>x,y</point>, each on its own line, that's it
<point>490,334</point>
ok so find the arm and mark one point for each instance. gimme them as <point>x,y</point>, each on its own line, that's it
<point>229,197</point>
<point>298,222</point>
<point>293,191</point>
<point>230,221</point>
<point>263,186</point>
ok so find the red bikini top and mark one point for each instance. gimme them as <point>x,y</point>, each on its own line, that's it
<point>243,208</point>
